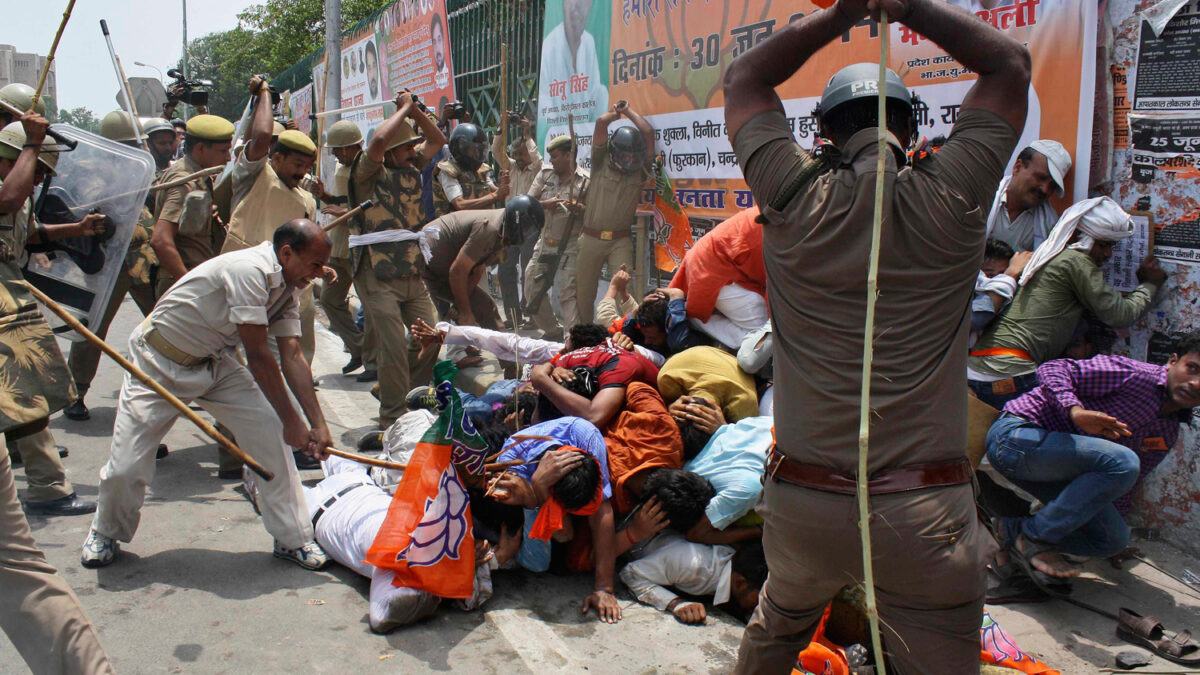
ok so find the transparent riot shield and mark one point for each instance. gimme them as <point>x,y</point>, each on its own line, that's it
<point>99,176</point>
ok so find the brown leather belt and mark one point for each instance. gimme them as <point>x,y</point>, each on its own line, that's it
<point>606,235</point>
<point>886,482</point>
<point>155,339</point>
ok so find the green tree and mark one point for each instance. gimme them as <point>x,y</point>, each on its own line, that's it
<point>80,118</point>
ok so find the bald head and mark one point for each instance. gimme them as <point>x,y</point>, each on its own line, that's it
<point>299,234</point>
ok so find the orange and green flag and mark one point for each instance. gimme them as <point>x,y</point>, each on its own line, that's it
<point>672,231</point>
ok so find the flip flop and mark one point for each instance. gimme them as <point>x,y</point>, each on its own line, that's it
<point>1148,632</point>
<point>1054,586</point>
<point>1016,588</point>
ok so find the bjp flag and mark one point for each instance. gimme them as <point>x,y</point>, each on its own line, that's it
<point>426,537</point>
<point>672,231</point>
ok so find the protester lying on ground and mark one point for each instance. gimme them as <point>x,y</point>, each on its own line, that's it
<point>996,284</point>
<point>1081,441</point>
<point>641,439</point>
<point>1061,281</point>
<point>1021,215</point>
<point>756,356</point>
<point>566,475</point>
<point>347,509</point>
<point>734,461</point>
<point>659,323</point>
<point>711,374</point>
<point>615,370</point>
<point>695,569</point>
<point>513,347</point>
<point>724,279</point>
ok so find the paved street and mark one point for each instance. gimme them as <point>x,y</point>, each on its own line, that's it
<point>198,591</point>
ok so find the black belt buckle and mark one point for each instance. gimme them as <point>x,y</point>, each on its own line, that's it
<point>329,502</point>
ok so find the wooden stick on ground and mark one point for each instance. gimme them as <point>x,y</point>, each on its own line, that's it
<point>349,214</point>
<point>150,382</point>
<point>864,410</point>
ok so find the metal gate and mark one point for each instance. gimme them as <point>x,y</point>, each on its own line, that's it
<point>480,31</point>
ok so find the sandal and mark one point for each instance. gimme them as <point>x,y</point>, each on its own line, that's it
<point>1148,632</point>
<point>1015,587</point>
<point>1056,586</point>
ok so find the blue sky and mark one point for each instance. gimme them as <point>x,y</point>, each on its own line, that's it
<point>142,30</point>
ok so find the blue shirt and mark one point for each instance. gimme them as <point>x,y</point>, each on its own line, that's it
<point>734,461</point>
<point>573,431</point>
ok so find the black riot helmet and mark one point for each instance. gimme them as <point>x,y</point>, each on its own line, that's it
<point>523,219</point>
<point>626,149</point>
<point>468,146</point>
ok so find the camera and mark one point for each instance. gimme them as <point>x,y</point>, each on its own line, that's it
<point>183,90</point>
<point>456,110</point>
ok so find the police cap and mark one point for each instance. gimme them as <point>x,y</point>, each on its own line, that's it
<point>210,128</point>
<point>298,141</point>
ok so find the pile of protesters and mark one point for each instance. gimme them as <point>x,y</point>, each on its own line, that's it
<point>637,431</point>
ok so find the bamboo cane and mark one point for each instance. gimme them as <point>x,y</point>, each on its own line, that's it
<point>150,382</point>
<point>37,93</point>
<point>369,461</point>
<point>864,409</point>
<point>16,113</point>
<point>157,187</point>
<point>502,159</point>
<point>349,214</point>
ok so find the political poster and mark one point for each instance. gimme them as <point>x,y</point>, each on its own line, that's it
<point>1168,63</point>
<point>1167,142</point>
<point>668,58</point>
<point>418,51</point>
<point>300,107</point>
<point>1120,271</point>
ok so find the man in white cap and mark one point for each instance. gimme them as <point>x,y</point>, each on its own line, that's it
<point>1021,214</point>
<point>1061,280</point>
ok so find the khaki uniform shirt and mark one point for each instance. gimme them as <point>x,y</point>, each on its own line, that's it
<point>816,253</point>
<point>190,207</point>
<point>548,185</point>
<point>519,180</point>
<point>341,234</point>
<point>141,257</point>
<point>476,233</point>
<point>474,184</point>
<point>616,193</point>
<point>397,205</point>
<point>1045,312</point>
<point>261,203</point>
<point>201,313</point>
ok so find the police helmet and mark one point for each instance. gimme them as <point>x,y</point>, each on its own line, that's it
<point>523,219</point>
<point>153,125</point>
<point>118,126</point>
<point>468,146</point>
<point>20,96</point>
<point>860,81</point>
<point>626,149</point>
<point>343,133</point>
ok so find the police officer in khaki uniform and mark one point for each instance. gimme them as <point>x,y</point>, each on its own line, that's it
<point>929,548</point>
<point>189,344</point>
<point>345,140</point>
<point>18,96</point>
<point>619,170</point>
<point>36,382</point>
<point>525,163</point>
<point>266,192</point>
<point>387,274</point>
<point>186,233</point>
<point>561,188</point>
<point>464,181</point>
<point>135,280</point>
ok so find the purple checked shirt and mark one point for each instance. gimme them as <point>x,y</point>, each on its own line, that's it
<point>1131,391</point>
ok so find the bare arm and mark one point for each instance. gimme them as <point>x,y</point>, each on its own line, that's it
<point>262,124</point>
<point>388,130</point>
<point>751,79</point>
<point>163,243</point>
<point>600,133</point>
<point>598,411</point>
<point>602,598</point>
<point>435,138</point>
<point>487,201</point>
<point>1002,63</point>
<point>18,184</point>
<point>300,380</point>
<point>460,286</point>
<point>266,373</point>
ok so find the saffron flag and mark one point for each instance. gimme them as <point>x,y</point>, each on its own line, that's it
<point>998,648</point>
<point>672,231</point>
<point>426,537</point>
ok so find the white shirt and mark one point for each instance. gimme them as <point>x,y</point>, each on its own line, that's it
<point>348,527</point>
<point>1028,230</point>
<point>670,560</point>
<point>509,346</point>
<point>201,313</point>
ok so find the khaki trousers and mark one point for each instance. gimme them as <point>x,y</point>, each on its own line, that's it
<point>45,474</point>
<point>391,306</point>
<point>929,556</point>
<point>38,611</point>
<point>334,301</point>
<point>84,358</point>
<point>227,390</point>
<point>593,253</point>
<point>564,284</point>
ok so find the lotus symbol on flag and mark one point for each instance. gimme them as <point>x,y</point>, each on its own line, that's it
<point>440,533</point>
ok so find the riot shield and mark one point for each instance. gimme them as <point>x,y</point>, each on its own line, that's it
<point>98,176</point>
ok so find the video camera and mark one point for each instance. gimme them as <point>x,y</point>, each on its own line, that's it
<point>456,110</point>
<point>183,90</point>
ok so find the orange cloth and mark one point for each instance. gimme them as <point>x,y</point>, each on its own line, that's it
<point>550,516</point>
<point>731,252</point>
<point>822,657</point>
<point>641,437</point>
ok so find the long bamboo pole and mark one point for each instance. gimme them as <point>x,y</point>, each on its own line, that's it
<point>37,93</point>
<point>864,408</point>
<point>150,382</point>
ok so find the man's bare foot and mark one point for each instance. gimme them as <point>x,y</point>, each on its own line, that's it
<point>1049,563</point>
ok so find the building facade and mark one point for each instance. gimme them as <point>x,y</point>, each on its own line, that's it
<point>26,68</point>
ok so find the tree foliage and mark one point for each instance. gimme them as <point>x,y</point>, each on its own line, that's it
<point>80,118</point>
<point>269,39</point>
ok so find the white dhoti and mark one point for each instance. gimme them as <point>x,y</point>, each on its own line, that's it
<point>227,390</point>
<point>738,311</point>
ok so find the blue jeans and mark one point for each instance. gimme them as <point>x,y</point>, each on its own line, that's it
<point>986,390</point>
<point>534,554</point>
<point>1076,477</point>
<point>481,406</point>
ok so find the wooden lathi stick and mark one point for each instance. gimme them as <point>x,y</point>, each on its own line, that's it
<point>369,461</point>
<point>150,382</point>
<point>349,214</point>
<point>50,57</point>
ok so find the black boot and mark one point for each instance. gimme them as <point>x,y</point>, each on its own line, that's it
<point>78,411</point>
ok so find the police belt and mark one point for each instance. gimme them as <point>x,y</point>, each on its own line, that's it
<point>606,235</point>
<point>155,339</point>
<point>888,481</point>
<point>329,502</point>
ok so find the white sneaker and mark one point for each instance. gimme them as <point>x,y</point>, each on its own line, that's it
<point>98,550</point>
<point>309,556</point>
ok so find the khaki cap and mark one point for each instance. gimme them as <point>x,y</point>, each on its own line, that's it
<point>558,142</point>
<point>210,128</point>
<point>298,141</point>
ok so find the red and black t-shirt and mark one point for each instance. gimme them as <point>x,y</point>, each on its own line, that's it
<point>613,366</point>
